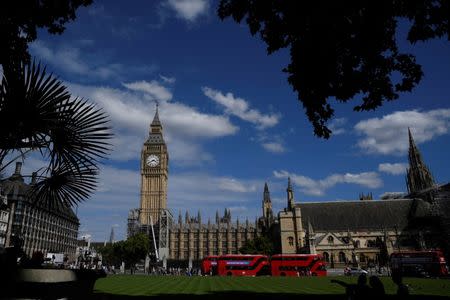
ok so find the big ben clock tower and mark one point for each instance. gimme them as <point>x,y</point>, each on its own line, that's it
<point>154,171</point>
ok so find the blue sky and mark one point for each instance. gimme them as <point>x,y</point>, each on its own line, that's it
<point>230,118</point>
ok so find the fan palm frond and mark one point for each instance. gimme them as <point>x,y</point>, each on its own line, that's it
<point>37,112</point>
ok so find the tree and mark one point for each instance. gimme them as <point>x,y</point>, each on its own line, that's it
<point>130,251</point>
<point>259,245</point>
<point>136,248</point>
<point>38,115</point>
<point>343,49</point>
<point>20,19</point>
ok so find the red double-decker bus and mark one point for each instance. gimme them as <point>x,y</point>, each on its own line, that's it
<point>209,265</point>
<point>298,265</point>
<point>243,265</point>
<point>419,263</point>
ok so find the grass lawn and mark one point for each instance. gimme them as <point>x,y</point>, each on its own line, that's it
<point>234,288</point>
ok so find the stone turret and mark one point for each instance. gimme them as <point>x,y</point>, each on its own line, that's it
<point>267,208</point>
<point>186,217</point>
<point>311,239</point>
<point>290,195</point>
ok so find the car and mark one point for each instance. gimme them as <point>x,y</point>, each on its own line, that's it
<point>354,271</point>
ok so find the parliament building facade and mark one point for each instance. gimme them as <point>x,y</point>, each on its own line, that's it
<point>344,232</point>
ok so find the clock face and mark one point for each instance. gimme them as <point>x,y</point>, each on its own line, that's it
<point>152,160</point>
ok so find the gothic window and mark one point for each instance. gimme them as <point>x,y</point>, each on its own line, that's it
<point>291,241</point>
<point>330,240</point>
<point>357,244</point>
<point>342,257</point>
<point>326,256</point>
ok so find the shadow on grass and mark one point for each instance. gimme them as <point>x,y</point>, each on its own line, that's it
<point>249,296</point>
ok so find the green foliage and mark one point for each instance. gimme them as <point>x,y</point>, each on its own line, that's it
<point>130,251</point>
<point>259,245</point>
<point>343,49</point>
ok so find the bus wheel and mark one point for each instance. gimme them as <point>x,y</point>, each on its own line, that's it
<point>229,274</point>
<point>282,274</point>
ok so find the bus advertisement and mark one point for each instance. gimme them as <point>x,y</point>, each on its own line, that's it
<point>209,265</point>
<point>243,265</point>
<point>298,265</point>
<point>419,263</point>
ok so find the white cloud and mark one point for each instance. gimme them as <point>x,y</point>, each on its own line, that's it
<point>389,134</point>
<point>337,126</point>
<point>274,147</point>
<point>152,88</point>
<point>240,108</point>
<point>392,195</point>
<point>189,10</point>
<point>71,59</point>
<point>394,169</point>
<point>167,79</point>
<point>131,113</point>
<point>233,185</point>
<point>318,187</point>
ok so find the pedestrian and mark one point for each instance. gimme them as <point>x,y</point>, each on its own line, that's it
<point>402,289</point>
<point>376,287</point>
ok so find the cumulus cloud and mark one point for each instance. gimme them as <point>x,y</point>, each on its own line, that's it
<point>313,187</point>
<point>152,88</point>
<point>189,10</point>
<point>393,169</point>
<point>132,110</point>
<point>241,109</point>
<point>274,147</point>
<point>392,195</point>
<point>389,134</point>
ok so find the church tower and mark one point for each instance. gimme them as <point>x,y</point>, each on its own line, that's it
<point>418,175</point>
<point>267,207</point>
<point>154,172</point>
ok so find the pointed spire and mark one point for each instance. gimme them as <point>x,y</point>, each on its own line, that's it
<point>217,217</point>
<point>310,228</point>
<point>418,175</point>
<point>266,188</point>
<point>290,195</point>
<point>237,222</point>
<point>199,218</point>
<point>180,218</point>
<point>156,121</point>
<point>186,217</point>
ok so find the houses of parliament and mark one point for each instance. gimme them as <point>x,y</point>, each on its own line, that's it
<point>353,231</point>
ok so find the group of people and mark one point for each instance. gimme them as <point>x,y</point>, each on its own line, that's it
<point>373,290</point>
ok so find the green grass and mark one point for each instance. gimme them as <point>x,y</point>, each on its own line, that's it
<point>123,286</point>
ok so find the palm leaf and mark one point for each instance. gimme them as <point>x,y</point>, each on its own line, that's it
<point>37,112</point>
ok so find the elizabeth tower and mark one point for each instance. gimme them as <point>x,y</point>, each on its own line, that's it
<point>154,171</point>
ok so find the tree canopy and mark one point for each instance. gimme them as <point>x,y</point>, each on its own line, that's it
<point>20,20</point>
<point>343,49</point>
<point>259,245</point>
<point>129,251</point>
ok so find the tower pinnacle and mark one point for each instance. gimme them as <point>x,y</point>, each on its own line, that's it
<point>290,195</point>
<point>418,175</point>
